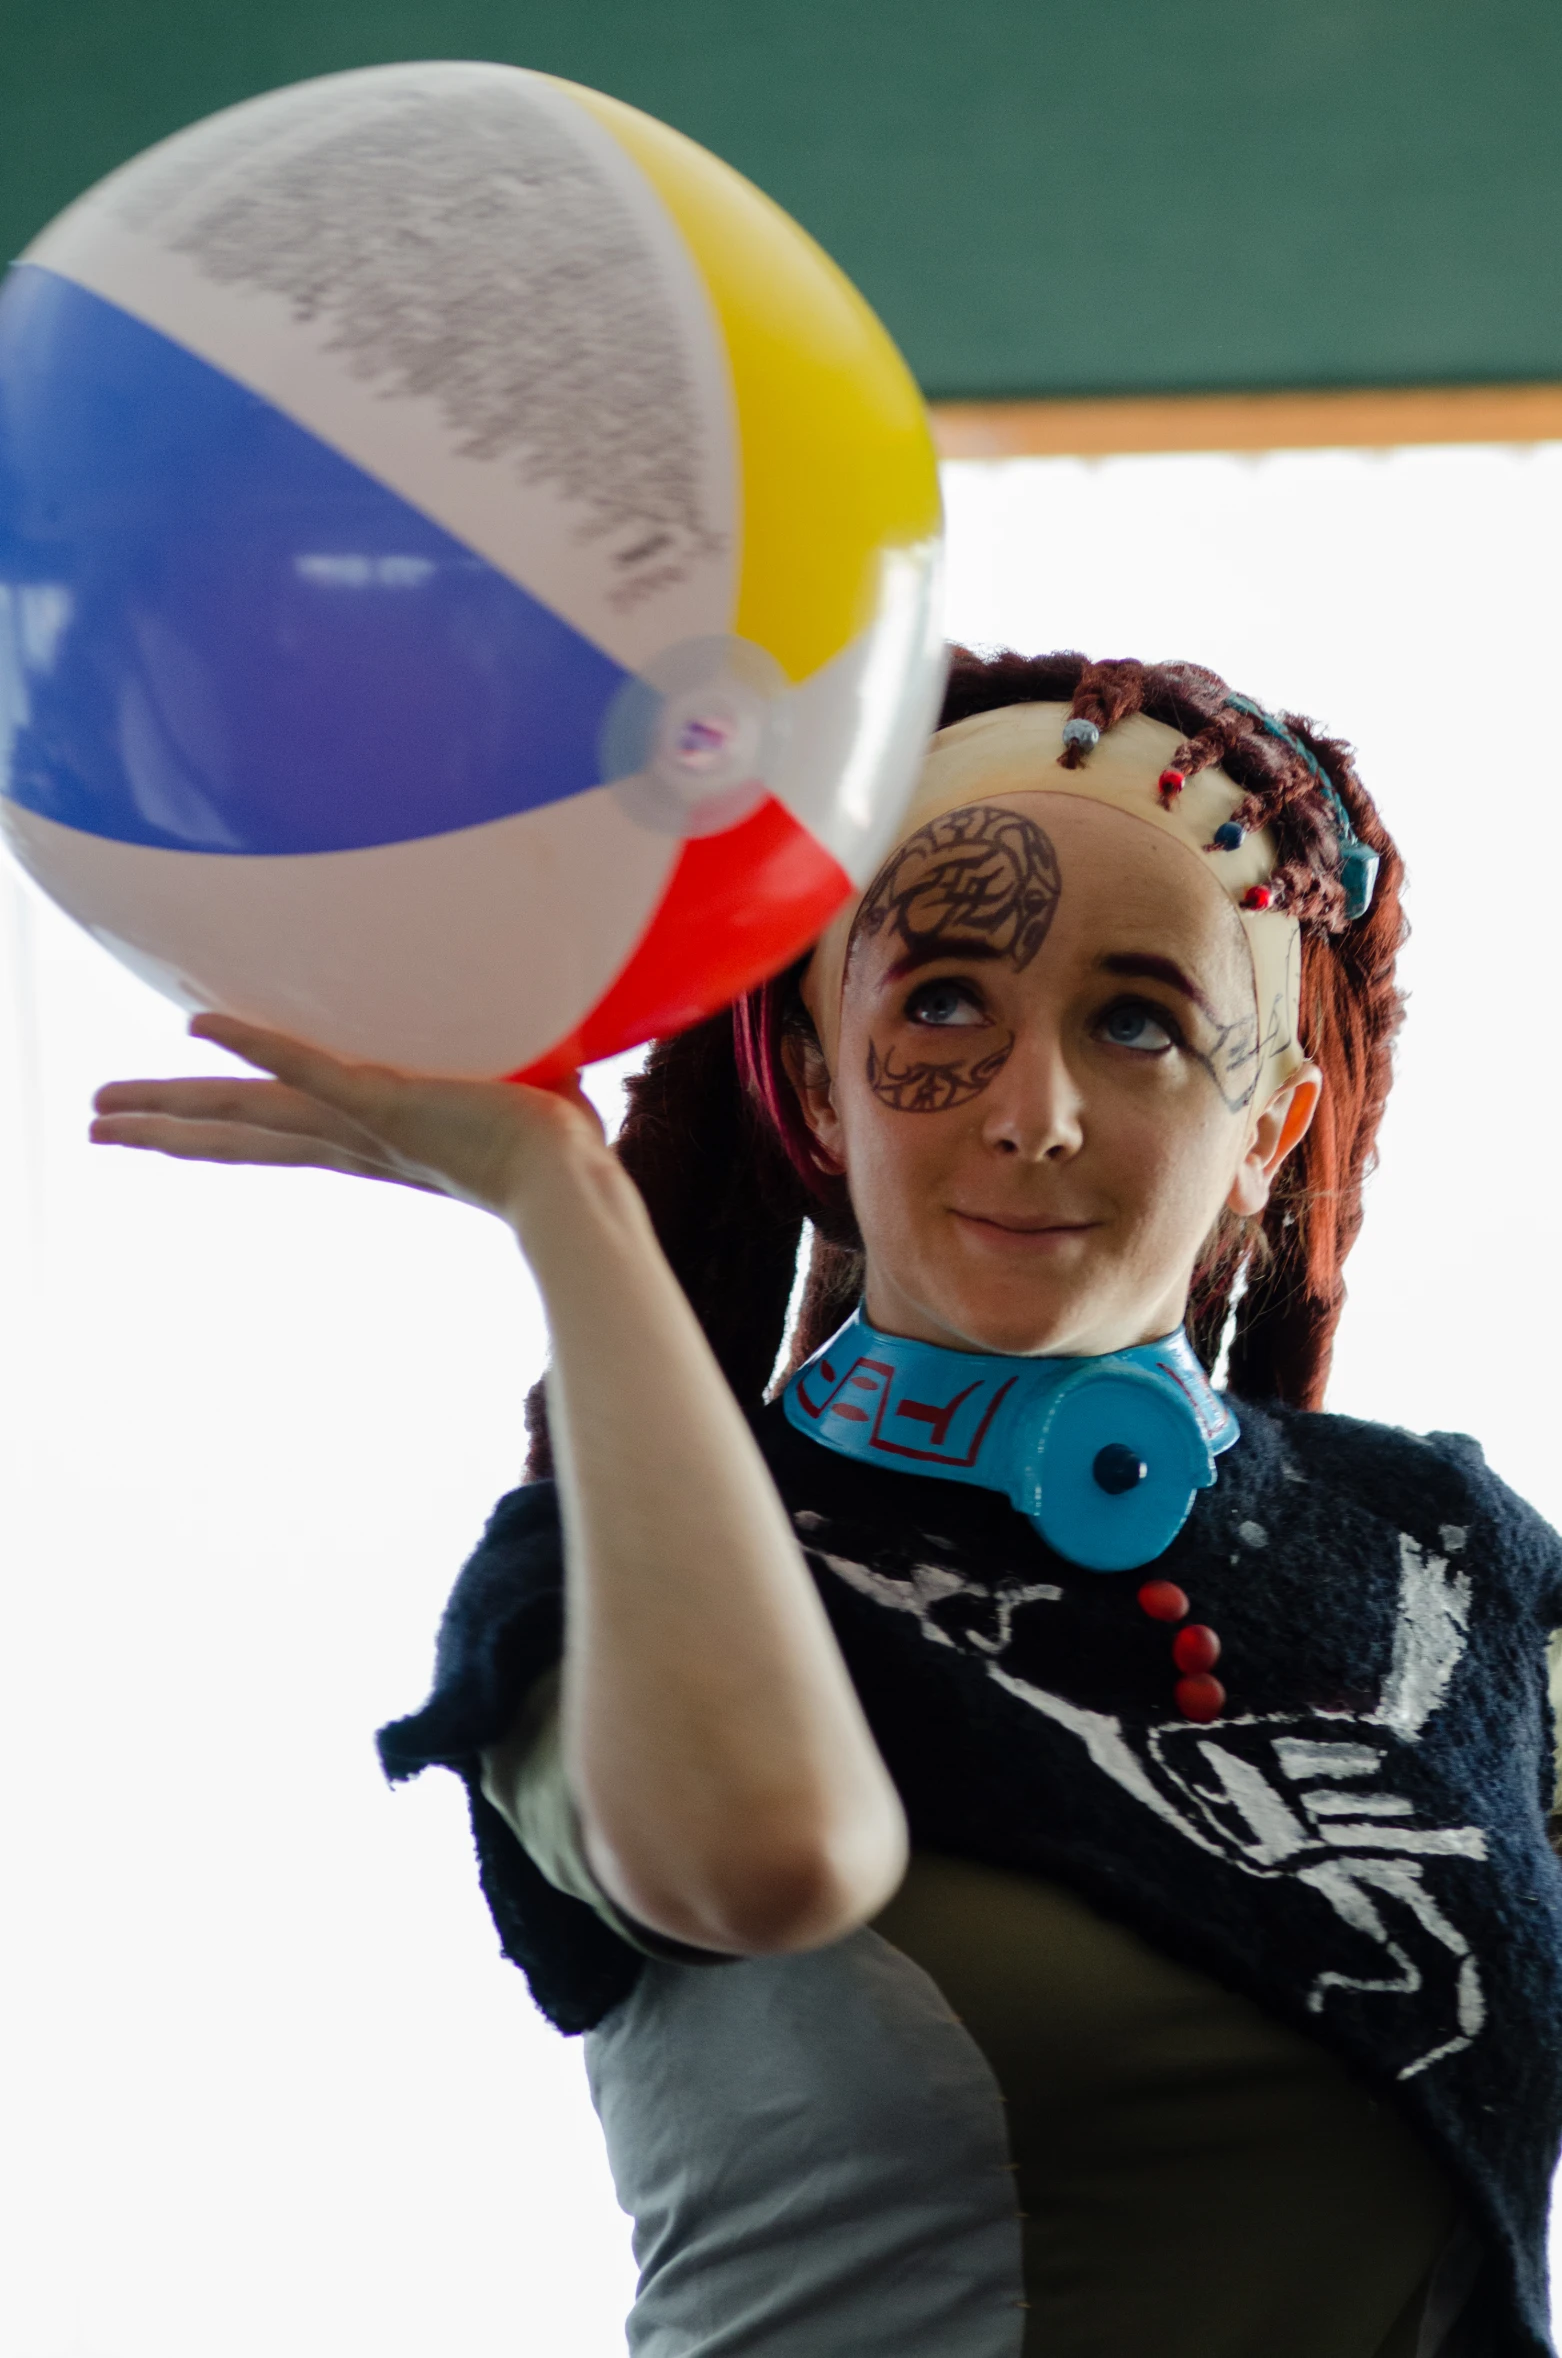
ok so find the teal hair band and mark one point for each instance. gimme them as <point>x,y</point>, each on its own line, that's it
<point>1358,861</point>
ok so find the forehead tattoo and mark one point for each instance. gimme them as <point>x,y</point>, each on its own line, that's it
<point>977,880</point>
<point>980,878</point>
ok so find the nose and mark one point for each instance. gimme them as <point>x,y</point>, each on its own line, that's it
<point>1034,1107</point>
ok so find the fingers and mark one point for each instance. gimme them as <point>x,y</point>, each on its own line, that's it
<point>256,1105</point>
<point>478,1141</point>
<point>234,1142</point>
<point>329,1078</point>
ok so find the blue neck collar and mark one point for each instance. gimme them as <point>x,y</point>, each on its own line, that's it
<point>1103,1455</point>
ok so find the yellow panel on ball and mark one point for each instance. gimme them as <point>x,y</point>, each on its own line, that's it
<point>837,463</point>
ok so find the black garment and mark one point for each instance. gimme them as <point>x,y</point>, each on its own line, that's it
<point>1358,1844</point>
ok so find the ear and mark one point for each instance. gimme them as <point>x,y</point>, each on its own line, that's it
<point>810,1077</point>
<point>1283,1124</point>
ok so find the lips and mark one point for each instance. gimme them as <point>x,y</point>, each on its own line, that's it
<point>1007,1224</point>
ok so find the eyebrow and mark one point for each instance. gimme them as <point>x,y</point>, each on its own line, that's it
<point>934,946</point>
<point>1150,968</point>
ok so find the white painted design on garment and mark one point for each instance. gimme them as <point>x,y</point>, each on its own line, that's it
<point>1429,1641</point>
<point>1348,1887</point>
<point>1276,1829</point>
<point>1007,1599</point>
<point>1299,1759</point>
<point>1444,1842</point>
<point>926,1586</point>
<point>1330,1804</point>
<point>1252,1535</point>
<point>1103,1738</point>
<point>1227,1801</point>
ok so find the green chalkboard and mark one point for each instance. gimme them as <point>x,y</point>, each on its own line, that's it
<point>1040,196</point>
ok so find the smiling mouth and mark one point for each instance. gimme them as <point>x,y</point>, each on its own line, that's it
<point>1026,1228</point>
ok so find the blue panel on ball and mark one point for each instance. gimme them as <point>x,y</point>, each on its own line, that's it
<point>217,634</point>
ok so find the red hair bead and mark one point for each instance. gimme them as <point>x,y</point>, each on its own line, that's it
<point>1257,896</point>
<point>1163,1600</point>
<point>1172,781</point>
<point>1200,1697</point>
<point>1195,1648</point>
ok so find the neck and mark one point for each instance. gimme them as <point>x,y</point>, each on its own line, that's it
<point>890,1311</point>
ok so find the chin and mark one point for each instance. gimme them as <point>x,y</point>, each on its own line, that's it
<point>1018,1329</point>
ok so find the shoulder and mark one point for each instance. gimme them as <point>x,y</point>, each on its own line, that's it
<point>1437,1486</point>
<point>1355,1454</point>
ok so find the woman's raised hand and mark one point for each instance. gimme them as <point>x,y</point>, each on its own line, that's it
<point>482,1142</point>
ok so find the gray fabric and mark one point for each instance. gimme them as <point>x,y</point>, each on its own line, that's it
<point>814,2152</point>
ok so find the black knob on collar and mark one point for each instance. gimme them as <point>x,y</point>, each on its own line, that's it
<point>1117,1468</point>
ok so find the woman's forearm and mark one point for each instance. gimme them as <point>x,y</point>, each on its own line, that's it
<point>729,1790</point>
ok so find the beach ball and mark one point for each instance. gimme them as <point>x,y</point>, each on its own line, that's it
<point>468,571</point>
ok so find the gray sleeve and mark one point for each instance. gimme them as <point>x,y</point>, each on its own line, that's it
<point>524,1779</point>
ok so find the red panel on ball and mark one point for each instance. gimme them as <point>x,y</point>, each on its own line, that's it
<point>737,906</point>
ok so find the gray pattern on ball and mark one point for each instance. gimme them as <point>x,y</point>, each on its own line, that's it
<point>457,243</point>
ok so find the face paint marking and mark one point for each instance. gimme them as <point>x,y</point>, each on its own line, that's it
<point>1236,1051</point>
<point>976,883</point>
<point>978,879</point>
<point>926,1087</point>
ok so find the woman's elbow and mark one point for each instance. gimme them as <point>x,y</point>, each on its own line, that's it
<point>793,1890</point>
<point>810,1896</point>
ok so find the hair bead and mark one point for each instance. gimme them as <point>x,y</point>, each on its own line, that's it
<point>1257,896</point>
<point>1229,837</point>
<point>1082,733</point>
<point>1359,865</point>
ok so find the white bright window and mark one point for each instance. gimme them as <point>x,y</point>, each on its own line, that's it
<point>267,2084</point>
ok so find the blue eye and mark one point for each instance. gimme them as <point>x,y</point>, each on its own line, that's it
<point>945,1003</point>
<point>1132,1024</point>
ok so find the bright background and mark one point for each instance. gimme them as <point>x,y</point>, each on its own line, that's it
<point>265,2084</point>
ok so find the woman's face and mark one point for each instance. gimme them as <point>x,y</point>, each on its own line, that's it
<point>1044,1087</point>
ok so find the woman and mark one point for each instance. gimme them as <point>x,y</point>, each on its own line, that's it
<point>970,1970</point>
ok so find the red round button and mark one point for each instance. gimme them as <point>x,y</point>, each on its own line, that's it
<point>1195,1648</point>
<point>1163,1600</point>
<point>1200,1697</point>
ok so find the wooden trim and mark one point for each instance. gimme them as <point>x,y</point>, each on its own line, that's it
<point>1373,419</point>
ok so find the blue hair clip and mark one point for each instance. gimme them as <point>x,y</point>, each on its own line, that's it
<point>1358,861</point>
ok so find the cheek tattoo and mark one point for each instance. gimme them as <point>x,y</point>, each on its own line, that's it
<point>979,878</point>
<point>928,1087</point>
